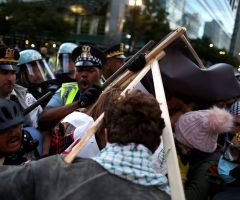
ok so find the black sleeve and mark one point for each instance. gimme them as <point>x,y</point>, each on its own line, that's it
<point>16,182</point>
<point>235,172</point>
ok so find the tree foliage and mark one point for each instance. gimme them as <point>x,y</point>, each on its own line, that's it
<point>149,23</point>
<point>33,21</point>
<point>210,55</point>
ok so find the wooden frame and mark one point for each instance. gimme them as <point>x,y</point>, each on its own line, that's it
<point>129,80</point>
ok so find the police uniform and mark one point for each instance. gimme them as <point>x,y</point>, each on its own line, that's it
<point>8,61</point>
<point>8,58</point>
<point>83,56</point>
<point>116,51</point>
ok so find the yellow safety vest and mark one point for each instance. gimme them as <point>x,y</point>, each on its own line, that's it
<point>68,92</point>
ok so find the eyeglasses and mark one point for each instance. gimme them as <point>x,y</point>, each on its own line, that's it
<point>231,152</point>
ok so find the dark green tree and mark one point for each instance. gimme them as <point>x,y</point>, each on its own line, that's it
<point>33,21</point>
<point>210,55</point>
<point>147,23</point>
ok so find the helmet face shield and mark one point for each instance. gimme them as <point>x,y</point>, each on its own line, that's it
<point>231,152</point>
<point>35,73</point>
<point>65,64</point>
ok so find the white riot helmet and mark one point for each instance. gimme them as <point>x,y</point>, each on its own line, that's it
<point>64,61</point>
<point>34,70</point>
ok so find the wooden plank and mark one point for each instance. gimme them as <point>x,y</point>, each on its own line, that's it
<point>167,41</point>
<point>156,52</point>
<point>120,71</point>
<point>185,40</point>
<point>174,176</point>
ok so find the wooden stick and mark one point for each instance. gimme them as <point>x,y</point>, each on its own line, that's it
<point>154,53</point>
<point>192,51</point>
<point>160,47</point>
<point>90,132</point>
<point>174,175</point>
<point>124,67</point>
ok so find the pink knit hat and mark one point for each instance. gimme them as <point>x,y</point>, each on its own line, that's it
<point>200,129</point>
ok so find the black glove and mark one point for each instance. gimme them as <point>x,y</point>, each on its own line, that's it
<point>138,63</point>
<point>89,96</point>
<point>53,88</point>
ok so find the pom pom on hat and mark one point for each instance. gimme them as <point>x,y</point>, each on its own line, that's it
<point>200,129</point>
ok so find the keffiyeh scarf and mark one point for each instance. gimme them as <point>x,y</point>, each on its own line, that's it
<point>131,162</point>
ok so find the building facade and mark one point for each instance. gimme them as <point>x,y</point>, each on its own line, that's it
<point>235,47</point>
<point>214,19</point>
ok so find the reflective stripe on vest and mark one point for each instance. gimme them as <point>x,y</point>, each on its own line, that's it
<point>68,92</point>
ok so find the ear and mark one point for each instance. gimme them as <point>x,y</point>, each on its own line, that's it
<point>106,135</point>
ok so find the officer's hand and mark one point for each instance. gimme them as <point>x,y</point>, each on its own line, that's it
<point>138,63</point>
<point>89,96</point>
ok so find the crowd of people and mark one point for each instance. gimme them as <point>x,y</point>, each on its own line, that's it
<point>119,161</point>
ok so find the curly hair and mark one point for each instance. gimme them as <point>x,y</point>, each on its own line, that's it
<point>98,108</point>
<point>134,118</point>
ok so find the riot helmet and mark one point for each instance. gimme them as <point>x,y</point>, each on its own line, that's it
<point>65,64</point>
<point>10,114</point>
<point>34,70</point>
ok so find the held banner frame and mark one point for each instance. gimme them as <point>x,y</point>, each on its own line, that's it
<point>129,80</point>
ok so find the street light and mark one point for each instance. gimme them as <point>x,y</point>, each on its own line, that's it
<point>134,9</point>
<point>135,3</point>
<point>222,52</point>
<point>78,11</point>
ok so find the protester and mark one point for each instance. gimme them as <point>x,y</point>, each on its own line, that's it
<point>133,129</point>
<point>16,145</point>
<point>196,135</point>
<point>69,131</point>
<point>229,163</point>
<point>72,128</point>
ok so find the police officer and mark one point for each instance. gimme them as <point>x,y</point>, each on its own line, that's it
<point>34,73</point>
<point>80,94</point>
<point>66,67</point>
<point>10,90</point>
<point>115,58</point>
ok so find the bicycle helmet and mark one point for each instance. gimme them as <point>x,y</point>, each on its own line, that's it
<point>10,114</point>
